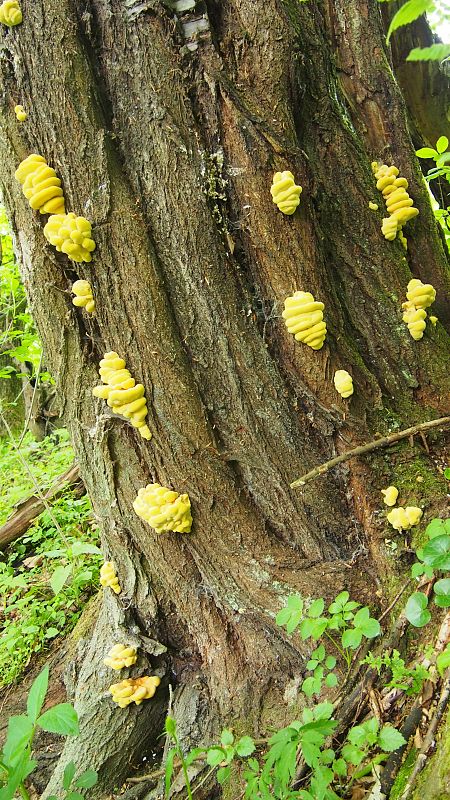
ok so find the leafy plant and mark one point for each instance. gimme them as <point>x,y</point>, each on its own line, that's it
<point>342,626</point>
<point>433,557</point>
<point>409,679</point>
<point>50,572</point>
<point>16,762</point>
<point>319,664</point>
<point>412,10</point>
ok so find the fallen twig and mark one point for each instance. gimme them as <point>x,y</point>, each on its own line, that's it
<point>385,441</point>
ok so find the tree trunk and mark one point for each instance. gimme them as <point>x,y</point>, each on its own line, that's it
<point>166,128</point>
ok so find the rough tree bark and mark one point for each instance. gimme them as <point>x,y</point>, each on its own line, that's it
<point>166,129</point>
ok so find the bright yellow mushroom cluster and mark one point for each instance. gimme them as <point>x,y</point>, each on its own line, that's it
<point>399,204</point>
<point>285,192</point>
<point>419,297</point>
<point>71,235</point>
<point>343,383</point>
<point>400,518</point>
<point>390,495</point>
<point>83,296</point>
<point>404,518</point>
<point>123,395</point>
<point>40,185</point>
<point>109,578</point>
<point>134,690</point>
<point>20,113</point>
<point>121,656</point>
<point>164,509</point>
<point>10,13</point>
<point>304,319</point>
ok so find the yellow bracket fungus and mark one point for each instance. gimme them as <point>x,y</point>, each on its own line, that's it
<point>71,235</point>
<point>121,656</point>
<point>285,193</point>
<point>421,295</point>
<point>404,518</point>
<point>123,395</point>
<point>433,320</point>
<point>40,185</point>
<point>398,202</point>
<point>109,578</point>
<point>415,320</point>
<point>134,690</point>
<point>343,382</point>
<point>373,206</point>
<point>164,509</point>
<point>83,296</point>
<point>304,319</point>
<point>10,13</point>
<point>390,495</point>
<point>20,113</point>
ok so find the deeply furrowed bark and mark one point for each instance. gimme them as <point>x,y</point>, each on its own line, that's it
<point>166,131</point>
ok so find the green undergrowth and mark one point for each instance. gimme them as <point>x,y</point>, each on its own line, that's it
<point>44,461</point>
<point>48,574</point>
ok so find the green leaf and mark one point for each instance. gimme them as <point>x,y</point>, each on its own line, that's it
<point>443,661</point>
<point>245,746</point>
<point>352,638</point>
<point>437,52</point>
<point>81,548</point>
<point>416,611</point>
<point>59,578</point>
<point>87,779</point>
<point>417,570</point>
<point>352,754</point>
<point>316,608</point>
<point>357,735</point>
<point>340,767</point>
<point>331,680</point>
<point>311,686</point>
<point>223,774</point>
<point>319,653</point>
<point>330,662</point>
<point>69,774</point>
<point>313,628</point>
<point>226,738</point>
<point>171,726</point>
<point>409,11</point>
<point>438,527</point>
<point>74,796</point>
<point>447,469</point>
<point>214,756</point>
<point>169,771</point>
<point>20,732</point>
<point>442,593</point>
<point>36,696</point>
<point>60,719</point>
<point>390,739</point>
<point>295,602</point>
<point>426,152</point>
<point>436,552</point>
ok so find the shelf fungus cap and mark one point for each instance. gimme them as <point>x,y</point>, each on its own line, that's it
<point>10,13</point>
<point>134,690</point>
<point>303,317</point>
<point>415,319</point>
<point>390,495</point>
<point>164,509</point>
<point>121,656</point>
<point>109,578</point>
<point>404,518</point>
<point>343,382</point>
<point>20,113</point>
<point>285,192</point>
<point>421,295</point>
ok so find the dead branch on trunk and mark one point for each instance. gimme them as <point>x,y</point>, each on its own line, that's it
<point>385,441</point>
<point>27,511</point>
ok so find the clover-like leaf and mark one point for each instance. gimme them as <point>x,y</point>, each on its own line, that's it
<point>416,611</point>
<point>442,593</point>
